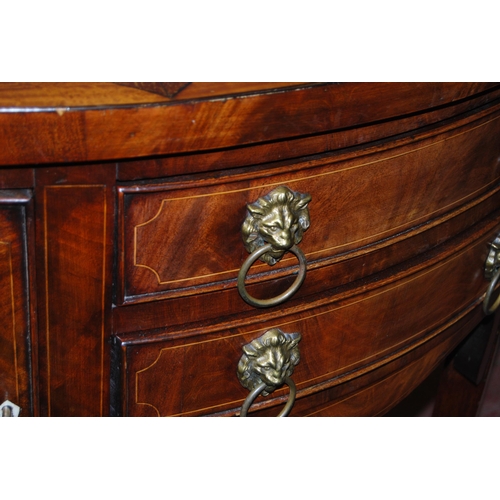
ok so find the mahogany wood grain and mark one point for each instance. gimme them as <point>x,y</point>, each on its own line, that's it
<point>339,275</point>
<point>201,221</point>
<point>338,141</point>
<point>75,236</point>
<point>376,392</point>
<point>15,178</point>
<point>342,335</point>
<point>16,328</point>
<point>119,132</point>
<point>35,95</point>
<point>120,216</point>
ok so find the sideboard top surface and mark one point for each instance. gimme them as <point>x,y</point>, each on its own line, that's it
<point>89,122</point>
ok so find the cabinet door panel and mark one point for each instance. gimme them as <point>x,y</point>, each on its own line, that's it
<point>74,255</point>
<point>15,334</point>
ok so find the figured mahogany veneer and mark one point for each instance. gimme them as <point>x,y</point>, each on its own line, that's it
<point>351,207</point>
<point>344,333</point>
<point>17,382</point>
<point>121,208</point>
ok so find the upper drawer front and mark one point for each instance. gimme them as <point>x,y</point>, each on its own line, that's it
<point>179,236</point>
<point>341,337</point>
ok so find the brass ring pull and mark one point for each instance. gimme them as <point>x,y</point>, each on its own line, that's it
<point>489,292</point>
<point>279,298</point>
<point>255,392</point>
<point>492,272</point>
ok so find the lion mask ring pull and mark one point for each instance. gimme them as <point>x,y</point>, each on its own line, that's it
<point>273,226</point>
<point>268,363</point>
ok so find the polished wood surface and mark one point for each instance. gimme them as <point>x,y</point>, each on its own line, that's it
<point>96,133</point>
<point>17,368</point>
<point>159,215</point>
<point>74,257</point>
<point>121,210</point>
<point>353,326</point>
<point>102,94</point>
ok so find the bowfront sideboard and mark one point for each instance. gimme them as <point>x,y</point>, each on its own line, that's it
<point>190,249</point>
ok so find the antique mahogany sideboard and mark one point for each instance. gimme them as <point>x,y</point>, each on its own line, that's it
<point>190,249</point>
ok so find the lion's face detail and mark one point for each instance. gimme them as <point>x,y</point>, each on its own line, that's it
<point>269,359</point>
<point>279,218</point>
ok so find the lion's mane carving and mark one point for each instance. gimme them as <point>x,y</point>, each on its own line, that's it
<point>279,218</point>
<point>269,359</point>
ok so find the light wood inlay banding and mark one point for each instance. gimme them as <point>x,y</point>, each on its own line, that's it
<point>7,306</point>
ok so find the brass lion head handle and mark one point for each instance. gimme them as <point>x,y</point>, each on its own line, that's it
<point>268,363</point>
<point>279,219</point>
<point>492,273</point>
<point>274,225</point>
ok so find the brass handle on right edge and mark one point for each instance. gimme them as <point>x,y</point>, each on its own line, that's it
<point>492,272</point>
<point>268,363</point>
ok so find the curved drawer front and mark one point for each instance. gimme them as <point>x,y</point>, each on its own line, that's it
<point>350,333</point>
<point>376,392</point>
<point>180,236</point>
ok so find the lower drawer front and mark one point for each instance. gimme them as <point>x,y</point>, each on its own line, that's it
<point>344,336</point>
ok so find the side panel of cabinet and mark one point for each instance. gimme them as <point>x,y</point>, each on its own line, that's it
<point>16,364</point>
<point>74,238</point>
